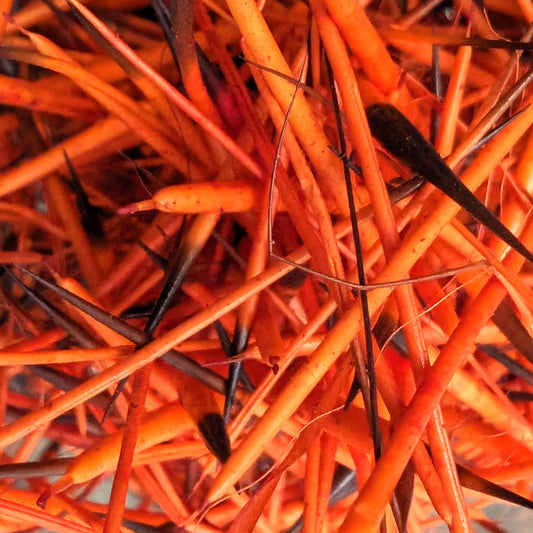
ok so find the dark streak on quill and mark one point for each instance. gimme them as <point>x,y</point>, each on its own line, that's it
<point>404,141</point>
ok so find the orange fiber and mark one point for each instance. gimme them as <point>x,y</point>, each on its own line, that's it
<point>203,200</point>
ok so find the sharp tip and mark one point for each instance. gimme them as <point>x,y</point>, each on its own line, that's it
<point>144,205</point>
<point>127,209</point>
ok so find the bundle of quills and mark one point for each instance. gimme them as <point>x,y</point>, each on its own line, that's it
<point>266,266</point>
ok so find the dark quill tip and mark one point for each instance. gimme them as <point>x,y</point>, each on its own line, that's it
<point>213,430</point>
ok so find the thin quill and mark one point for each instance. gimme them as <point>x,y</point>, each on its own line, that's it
<point>71,327</point>
<point>174,358</point>
<point>371,399</point>
<point>220,447</point>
